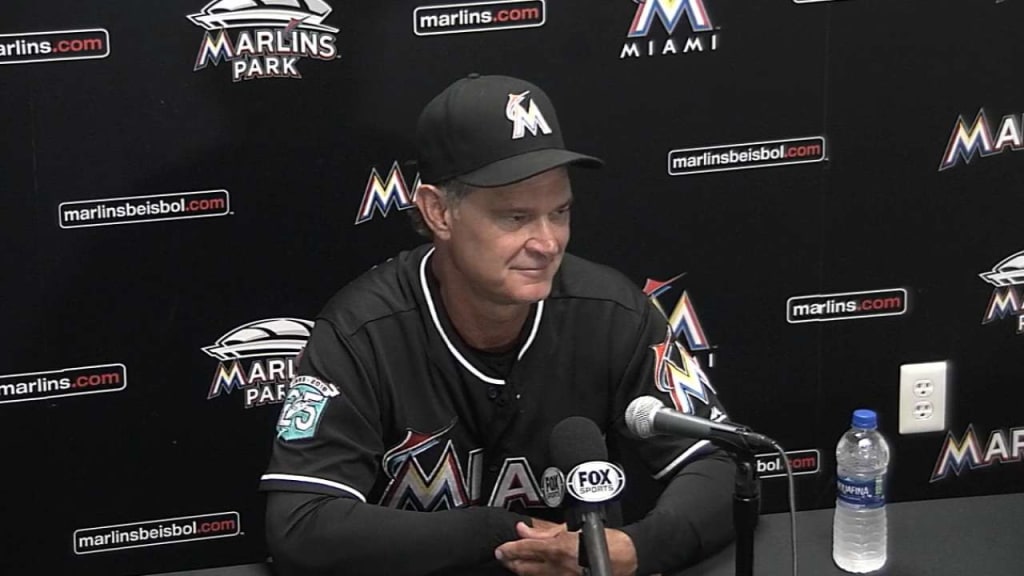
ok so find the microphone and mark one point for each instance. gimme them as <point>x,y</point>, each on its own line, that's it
<point>647,416</point>
<point>577,445</point>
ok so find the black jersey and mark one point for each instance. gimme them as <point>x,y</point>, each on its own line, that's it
<point>392,408</point>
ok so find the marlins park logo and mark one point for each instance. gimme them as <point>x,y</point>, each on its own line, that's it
<point>645,39</point>
<point>1006,301</point>
<point>264,38</point>
<point>980,139</point>
<point>258,359</point>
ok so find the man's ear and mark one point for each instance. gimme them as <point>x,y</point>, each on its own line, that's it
<point>433,207</point>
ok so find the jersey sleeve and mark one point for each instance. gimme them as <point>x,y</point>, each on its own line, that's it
<point>329,432</point>
<point>691,518</point>
<point>323,466</point>
<point>660,366</point>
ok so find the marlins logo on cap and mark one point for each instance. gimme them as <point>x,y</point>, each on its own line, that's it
<point>525,119</point>
<point>463,133</point>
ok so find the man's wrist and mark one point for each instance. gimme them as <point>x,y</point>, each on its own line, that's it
<point>622,552</point>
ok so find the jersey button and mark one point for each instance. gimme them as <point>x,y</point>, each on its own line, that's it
<point>492,392</point>
<point>493,468</point>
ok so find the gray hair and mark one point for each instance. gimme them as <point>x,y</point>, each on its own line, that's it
<point>454,191</point>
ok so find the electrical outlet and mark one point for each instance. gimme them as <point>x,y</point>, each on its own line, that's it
<point>923,388</point>
<point>923,410</point>
<point>923,397</point>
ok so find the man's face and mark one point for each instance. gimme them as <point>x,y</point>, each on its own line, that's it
<point>507,242</point>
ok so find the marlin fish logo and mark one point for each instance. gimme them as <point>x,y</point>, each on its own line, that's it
<point>415,443</point>
<point>294,24</point>
<point>524,119</point>
<point>684,316</point>
<point>679,375</point>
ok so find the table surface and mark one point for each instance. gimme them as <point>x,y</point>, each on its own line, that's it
<point>975,536</point>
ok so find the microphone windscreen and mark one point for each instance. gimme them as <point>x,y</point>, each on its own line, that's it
<point>576,440</point>
<point>640,415</point>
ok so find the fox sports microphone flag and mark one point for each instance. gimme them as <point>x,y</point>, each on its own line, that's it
<point>577,446</point>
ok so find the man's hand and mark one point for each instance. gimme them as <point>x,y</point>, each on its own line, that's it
<point>549,549</point>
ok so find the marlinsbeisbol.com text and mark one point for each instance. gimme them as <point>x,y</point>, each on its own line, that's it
<point>746,156</point>
<point>156,532</point>
<point>134,209</point>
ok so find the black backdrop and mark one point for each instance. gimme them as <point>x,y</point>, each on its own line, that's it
<point>883,83</point>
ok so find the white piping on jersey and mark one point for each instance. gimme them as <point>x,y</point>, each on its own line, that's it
<point>451,348</point>
<point>681,458</point>
<point>720,416</point>
<point>533,331</point>
<point>312,480</point>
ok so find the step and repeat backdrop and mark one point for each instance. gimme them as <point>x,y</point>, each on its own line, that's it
<point>817,192</point>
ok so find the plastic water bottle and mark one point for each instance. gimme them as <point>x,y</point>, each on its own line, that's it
<point>859,527</point>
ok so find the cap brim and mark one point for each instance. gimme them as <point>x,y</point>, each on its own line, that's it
<point>523,166</point>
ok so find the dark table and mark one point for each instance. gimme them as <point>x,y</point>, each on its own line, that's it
<point>977,536</point>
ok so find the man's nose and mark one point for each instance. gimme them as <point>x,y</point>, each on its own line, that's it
<point>544,238</point>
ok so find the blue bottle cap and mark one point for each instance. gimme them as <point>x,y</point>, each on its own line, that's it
<point>866,419</point>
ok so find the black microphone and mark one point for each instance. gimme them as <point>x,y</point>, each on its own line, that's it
<point>577,448</point>
<point>647,416</point>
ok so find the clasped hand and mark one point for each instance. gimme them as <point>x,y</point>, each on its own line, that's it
<point>547,548</point>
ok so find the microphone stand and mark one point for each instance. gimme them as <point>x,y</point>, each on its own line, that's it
<point>746,507</point>
<point>594,560</point>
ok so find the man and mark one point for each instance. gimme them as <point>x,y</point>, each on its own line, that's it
<point>415,438</point>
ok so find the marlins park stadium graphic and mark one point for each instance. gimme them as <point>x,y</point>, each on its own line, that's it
<point>259,359</point>
<point>1007,298</point>
<point>264,38</point>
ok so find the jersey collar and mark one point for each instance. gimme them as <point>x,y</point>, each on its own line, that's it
<point>425,286</point>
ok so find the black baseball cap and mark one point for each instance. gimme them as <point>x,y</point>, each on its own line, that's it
<point>491,131</point>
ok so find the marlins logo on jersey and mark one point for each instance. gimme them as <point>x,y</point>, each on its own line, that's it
<point>448,484</point>
<point>524,119</point>
<point>445,487</point>
<point>679,375</point>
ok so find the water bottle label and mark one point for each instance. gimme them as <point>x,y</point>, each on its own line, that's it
<point>863,493</point>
